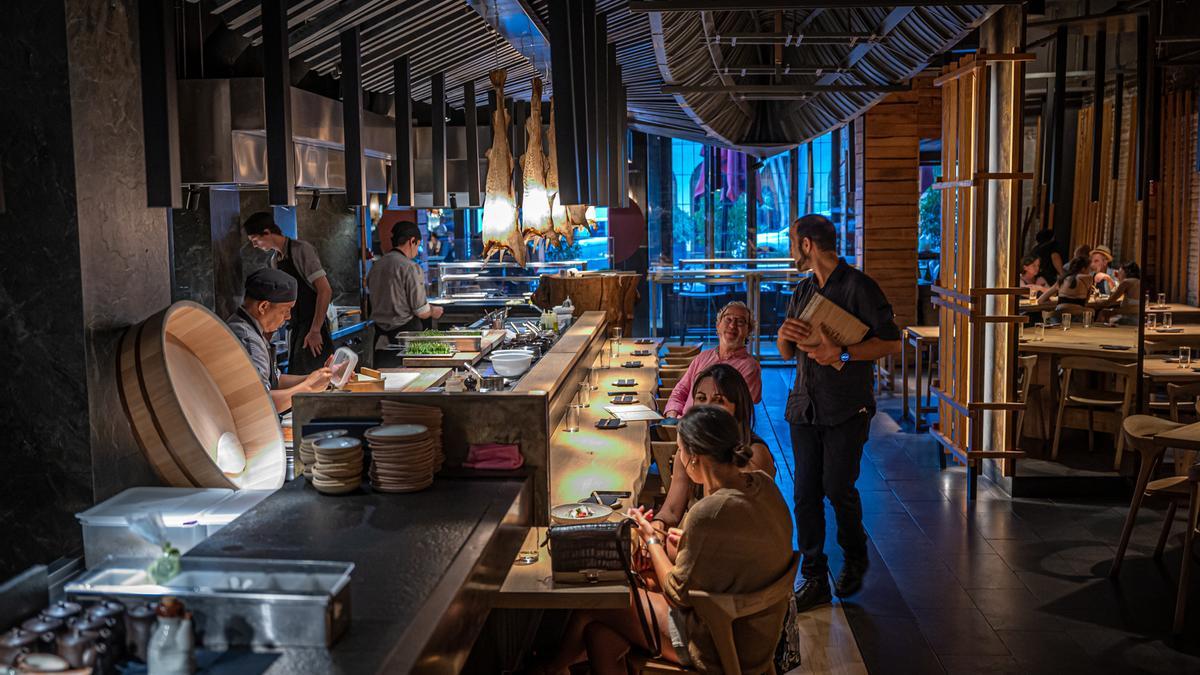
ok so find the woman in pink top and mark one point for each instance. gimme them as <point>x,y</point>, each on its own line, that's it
<point>733,328</point>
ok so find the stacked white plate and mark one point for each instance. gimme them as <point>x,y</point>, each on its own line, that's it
<point>402,457</point>
<point>395,412</point>
<point>305,455</point>
<point>339,465</point>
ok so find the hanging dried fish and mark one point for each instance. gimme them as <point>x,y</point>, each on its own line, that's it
<point>535,202</point>
<point>577,220</point>
<point>558,214</point>
<point>501,231</point>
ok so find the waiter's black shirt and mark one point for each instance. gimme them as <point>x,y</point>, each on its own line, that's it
<point>822,394</point>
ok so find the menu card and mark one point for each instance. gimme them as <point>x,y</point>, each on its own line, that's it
<point>843,327</point>
<point>632,413</point>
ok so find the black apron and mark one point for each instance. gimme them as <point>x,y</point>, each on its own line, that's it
<point>300,360</point>
<point>387,358</point>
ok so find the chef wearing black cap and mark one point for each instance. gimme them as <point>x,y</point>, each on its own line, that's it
<point>310,342</point>
<point>270,296</point>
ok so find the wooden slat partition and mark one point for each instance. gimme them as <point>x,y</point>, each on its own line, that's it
<point>976,233</point>
<point>1171,264</point>
<point>1111,220</point>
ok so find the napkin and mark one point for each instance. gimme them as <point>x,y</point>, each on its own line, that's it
<point>494,456</point>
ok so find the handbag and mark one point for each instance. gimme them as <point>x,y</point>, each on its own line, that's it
<point>593,552</point>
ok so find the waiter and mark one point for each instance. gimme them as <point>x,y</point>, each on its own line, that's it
<point>309,342</point>
<point>270,296</point>
<point>397,287</point>
<point>830,410</point>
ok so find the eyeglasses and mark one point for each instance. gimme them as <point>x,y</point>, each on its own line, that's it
<point>735,321</point>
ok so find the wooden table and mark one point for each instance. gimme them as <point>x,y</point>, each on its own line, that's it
<point>580,462</point>
<point>921,338</point>
<point>1080,341</point>
<point>1186,437</point>
<point>1157,370</point>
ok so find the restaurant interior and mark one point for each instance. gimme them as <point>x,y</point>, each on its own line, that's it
<point>517,246</point>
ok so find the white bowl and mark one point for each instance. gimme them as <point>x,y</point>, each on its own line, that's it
<point>511,364</point>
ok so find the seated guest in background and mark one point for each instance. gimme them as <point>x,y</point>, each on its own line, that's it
<point>270,295</point>
<point>1099,260</point>
<point>1048,253</point>
<point>1122,304</point>
<point>1073,289</point>
<point>720,385</point>
<point>1031,273</point>
<point>1081,251</point>
<point>738,539</point>
<point>734,324</point>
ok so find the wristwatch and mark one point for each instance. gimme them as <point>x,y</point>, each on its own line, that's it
<point>845,356</point>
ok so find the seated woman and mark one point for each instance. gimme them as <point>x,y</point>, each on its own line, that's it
<point>720,385</point>
<point>1073,289</point>
<point>718,553</point>
<point>733,328</point>
<point>1031,273</point>
<point>1122,304</point>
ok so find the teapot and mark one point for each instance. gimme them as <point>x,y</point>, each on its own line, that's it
<point>16,642</point>
<point>63,610</point>
<point>81,648</point>
<point>139,623</point>
<point>47,628</point>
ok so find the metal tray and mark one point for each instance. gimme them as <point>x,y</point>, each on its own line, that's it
<point>467,342</point>
<point>239,601</point>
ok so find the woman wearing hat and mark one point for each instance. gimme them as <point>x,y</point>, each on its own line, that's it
<point>1099,261</point>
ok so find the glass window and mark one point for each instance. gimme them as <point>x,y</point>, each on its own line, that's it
<point>729,205</point>
<point>822,165</point>
<point>687,169</point>
<point>773,207</point>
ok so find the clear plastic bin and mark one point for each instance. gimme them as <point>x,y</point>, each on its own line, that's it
<point>190,515</point>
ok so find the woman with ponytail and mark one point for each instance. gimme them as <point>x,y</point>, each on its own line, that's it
<point>738,539</point>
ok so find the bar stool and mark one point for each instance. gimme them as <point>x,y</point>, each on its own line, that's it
<point>924,341</point>
<point>1028,390</point>
<point>1139,432</point>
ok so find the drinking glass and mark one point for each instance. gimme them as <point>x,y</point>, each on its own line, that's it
<point>1046,316</point>
<point>572,424</point>
<point>1087,318</point>
<point>616,334</point>
<point>615,348</point>
<point>1185,357</point>
<point>593,380</point>
<point>529,550</point>
<point>1162,299</point>
<point>1041,333</point>
<point>1166,320</point>
<point>1151,320</point>
<point>585,395</point>
<point>1066,321</point>
<point>605,359</point>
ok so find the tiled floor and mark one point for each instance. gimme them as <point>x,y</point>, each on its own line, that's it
<point>995,586</point>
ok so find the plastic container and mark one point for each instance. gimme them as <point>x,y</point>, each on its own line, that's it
<point>345,360</point>
<point>190,516</point>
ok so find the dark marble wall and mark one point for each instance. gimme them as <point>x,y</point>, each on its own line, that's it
<point>47,472</point>
<point>192,253</point>
<point>333,229</point>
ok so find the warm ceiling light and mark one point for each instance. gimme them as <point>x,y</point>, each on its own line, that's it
<point>501,231</point>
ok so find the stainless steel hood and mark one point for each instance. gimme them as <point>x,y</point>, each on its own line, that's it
<point>222,129</point>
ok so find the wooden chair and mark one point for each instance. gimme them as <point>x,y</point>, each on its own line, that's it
<point>669,432</point>
<point>719,611</point>
<point>1139,432</point>
<point>1028,390</point>
<point>1189,539</point>
<point>663,453</point>
<point>669,383</point>
<point>1118,398</point>
<point>683,350</point>
<point>660,402</point>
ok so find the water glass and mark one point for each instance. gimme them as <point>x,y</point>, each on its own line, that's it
<point>585,395</point>
<point>593,379</point>
<point>1087,318</point>
<point>1066,321</point>
<point>605,359</point>
<point>1041,332</point>
<point>1185,357</point>
<point>1162,299</point>
<point>1151,320</point>
<point>529,550</point>
<point>615,348</point>
<point>616,334</point>
<point>572,423</point>
<point>1166,320</point>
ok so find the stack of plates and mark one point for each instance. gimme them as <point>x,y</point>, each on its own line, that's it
<point>339,465</point>
<point>429,416</point>
<point>305,457</point>
<point>402,457</point>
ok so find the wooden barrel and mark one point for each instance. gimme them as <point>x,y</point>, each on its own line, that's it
<point>188,388</point>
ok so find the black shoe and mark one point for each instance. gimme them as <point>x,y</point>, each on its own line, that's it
<point>850,581</point>
<point>814,591</point>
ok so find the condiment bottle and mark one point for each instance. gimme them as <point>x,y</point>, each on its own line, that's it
<point>139,623</point>
<point>171,649</point>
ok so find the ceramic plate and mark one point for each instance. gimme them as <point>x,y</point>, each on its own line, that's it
<point>580,513</point>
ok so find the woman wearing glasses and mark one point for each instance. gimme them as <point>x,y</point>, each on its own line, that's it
<point>733,328</point>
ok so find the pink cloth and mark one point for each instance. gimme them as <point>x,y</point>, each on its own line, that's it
<point>747,365</point>
<point>494,456</point>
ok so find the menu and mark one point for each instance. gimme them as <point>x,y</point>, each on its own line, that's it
<point>843,327</point>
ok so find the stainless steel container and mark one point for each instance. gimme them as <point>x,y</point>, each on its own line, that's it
<point>239,601</point>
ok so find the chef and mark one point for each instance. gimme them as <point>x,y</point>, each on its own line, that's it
<point>397,287</point>
<point>309,343</point>
<point>270,296</point>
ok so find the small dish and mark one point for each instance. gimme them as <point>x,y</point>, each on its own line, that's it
<point>578,513</point>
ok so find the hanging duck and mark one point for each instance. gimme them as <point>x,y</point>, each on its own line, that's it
<point>558,215</point>
<point>501,231</point>
<point>535,202</point>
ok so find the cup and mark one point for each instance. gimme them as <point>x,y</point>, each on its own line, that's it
<point>1066,321</point>
<point>616,334</point>
<point>1162,299</point>
<point>1088,315</point>
<point>585,395</point>
<point>1151,320</point>
<point>529,551</point>
<point>605,359</point>
<point>615,348</point>
<point>1185,357</point>
<point>1041,332</point>
<point>572,423</point>
<point>593,378</point>
<point>1166,320</point>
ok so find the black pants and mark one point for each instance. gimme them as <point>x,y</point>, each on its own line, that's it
<point>827,462</point>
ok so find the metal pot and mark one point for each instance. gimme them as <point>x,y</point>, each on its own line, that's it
<point>139,623</point>
<point>492,383</point>
<point>47,628</point>
<point>81,648</point>
<point>63,610</point>
<point>16,642</point>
